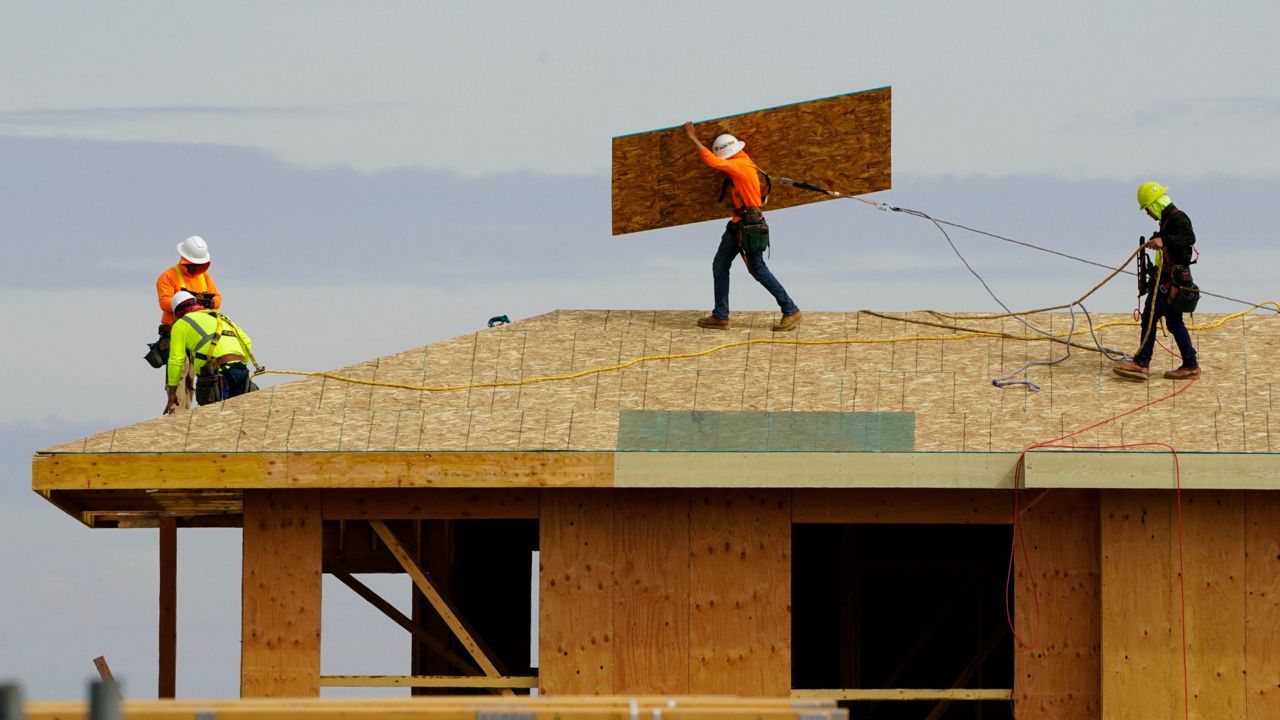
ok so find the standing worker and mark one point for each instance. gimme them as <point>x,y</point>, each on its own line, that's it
<point>1173,293</point>
<point>190,274</point>
<point>215,348</point>
<point>746,234</point>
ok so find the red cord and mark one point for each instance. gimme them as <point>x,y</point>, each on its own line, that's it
<point>1018,473</point>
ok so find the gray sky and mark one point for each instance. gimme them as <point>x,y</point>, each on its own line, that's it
<point>376,176</point>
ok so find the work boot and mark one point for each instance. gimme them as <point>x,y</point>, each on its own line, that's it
<point>713,322</point>
<point>1183,373</point>
<point>788,322</point>
<point>1130,371</point>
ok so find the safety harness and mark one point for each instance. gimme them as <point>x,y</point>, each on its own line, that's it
<point>211,339</point>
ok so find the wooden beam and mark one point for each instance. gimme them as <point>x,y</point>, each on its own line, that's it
<point>429,681</point>
<point>424,585</point>
<point>434,504</point>
<point>403,621</point>
<point>988,471</point>
<point>847,506</point>
<point>906,694</point>
<point>1152,470</point>
<point>107,471</point>
<point>1262,612</point>
<point>281,589</point>
<point>168,613</point>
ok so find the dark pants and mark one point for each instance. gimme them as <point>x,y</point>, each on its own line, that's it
<point>728,250</point>
<point>233,380</point>
<point>1173,322</point>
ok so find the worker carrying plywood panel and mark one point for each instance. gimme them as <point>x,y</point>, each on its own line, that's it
<point>746,234</point>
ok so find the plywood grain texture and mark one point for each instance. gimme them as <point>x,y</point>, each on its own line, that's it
<point>740,593</point>
<point>1140,630</point>
<point>842,143</point>
<point>651,595</point>
<point>1262,604</point>
<point>1213,537</point>
<point>1058,674</point>
<point>280,614</point>
<point>576,590</point>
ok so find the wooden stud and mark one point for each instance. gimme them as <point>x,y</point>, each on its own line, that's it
<point>168,613</point>
<point>281,585</point>
<point>424,585</point>
<point>1214,546</point>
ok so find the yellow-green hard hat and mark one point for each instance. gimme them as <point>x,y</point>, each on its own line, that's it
<point>1149,192</point>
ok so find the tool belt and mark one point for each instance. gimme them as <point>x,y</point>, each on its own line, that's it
<point>211,383</point>
<point>158,351</point>
<point>1183,293</point>
<point>753,231</point>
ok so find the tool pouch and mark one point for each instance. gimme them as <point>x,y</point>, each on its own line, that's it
<point>158,351</point>
<point>1184,294</point>
<point>209,386</point>
<point>753,231</point>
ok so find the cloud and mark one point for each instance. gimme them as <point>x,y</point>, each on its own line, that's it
<point>42,119</point>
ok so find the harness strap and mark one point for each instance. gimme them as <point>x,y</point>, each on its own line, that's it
<point>205,338</point>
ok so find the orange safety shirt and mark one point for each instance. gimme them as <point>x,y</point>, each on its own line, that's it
<point>744,174</point>
<point>175,279</point>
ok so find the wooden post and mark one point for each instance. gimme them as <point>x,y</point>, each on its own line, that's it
<point>168,641</point>
<point>283,550</point>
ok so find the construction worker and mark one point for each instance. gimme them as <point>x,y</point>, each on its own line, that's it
<point>746,233</point>
<point>217,349</point>
<point>1172,244</point>
<point>191,273</point>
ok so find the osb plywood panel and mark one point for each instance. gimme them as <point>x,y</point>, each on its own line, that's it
<point>1232,559</point>
<point>842,362</point>
<point>651,592</point>
<point>1262,603</point>
<point>576,591</point>
<point>1058,676</point>
<point>740,593</point>
<point>1140,635</point>
<point>842,143</point>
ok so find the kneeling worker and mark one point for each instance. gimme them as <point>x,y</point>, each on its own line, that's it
<point>746,234</point>
<point>219,352</point>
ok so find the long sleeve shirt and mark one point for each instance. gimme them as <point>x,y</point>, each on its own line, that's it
<point>744,174</point>
<point>1177,236</point>
<point>188,340</point>
<point>174,279</point>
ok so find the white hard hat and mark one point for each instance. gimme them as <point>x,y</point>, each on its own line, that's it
<point>194,249</point>
<point>178,298</point>
<point>726,146</point>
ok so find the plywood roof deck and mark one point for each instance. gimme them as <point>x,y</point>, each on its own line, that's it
<point>945,383</point>
<point>963,432</point>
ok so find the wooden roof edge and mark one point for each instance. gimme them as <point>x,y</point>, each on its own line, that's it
<point>608,469</point>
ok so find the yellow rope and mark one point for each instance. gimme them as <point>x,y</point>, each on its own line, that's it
<point>966,335</point>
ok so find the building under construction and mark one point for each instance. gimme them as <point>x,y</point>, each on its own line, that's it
<point>844,512</point>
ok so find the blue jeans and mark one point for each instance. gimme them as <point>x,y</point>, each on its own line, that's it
<point>729,250</point>
<point>1173,322</point>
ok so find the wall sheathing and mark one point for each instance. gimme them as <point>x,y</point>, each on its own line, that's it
<point>665,591</point>
<point>1231,553</point>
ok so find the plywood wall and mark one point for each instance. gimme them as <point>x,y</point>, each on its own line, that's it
<point>1231,552</point>
<point>665,591</point>
<point>280,641</point>
<point>1056,672</point>
<point>842,143</point>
